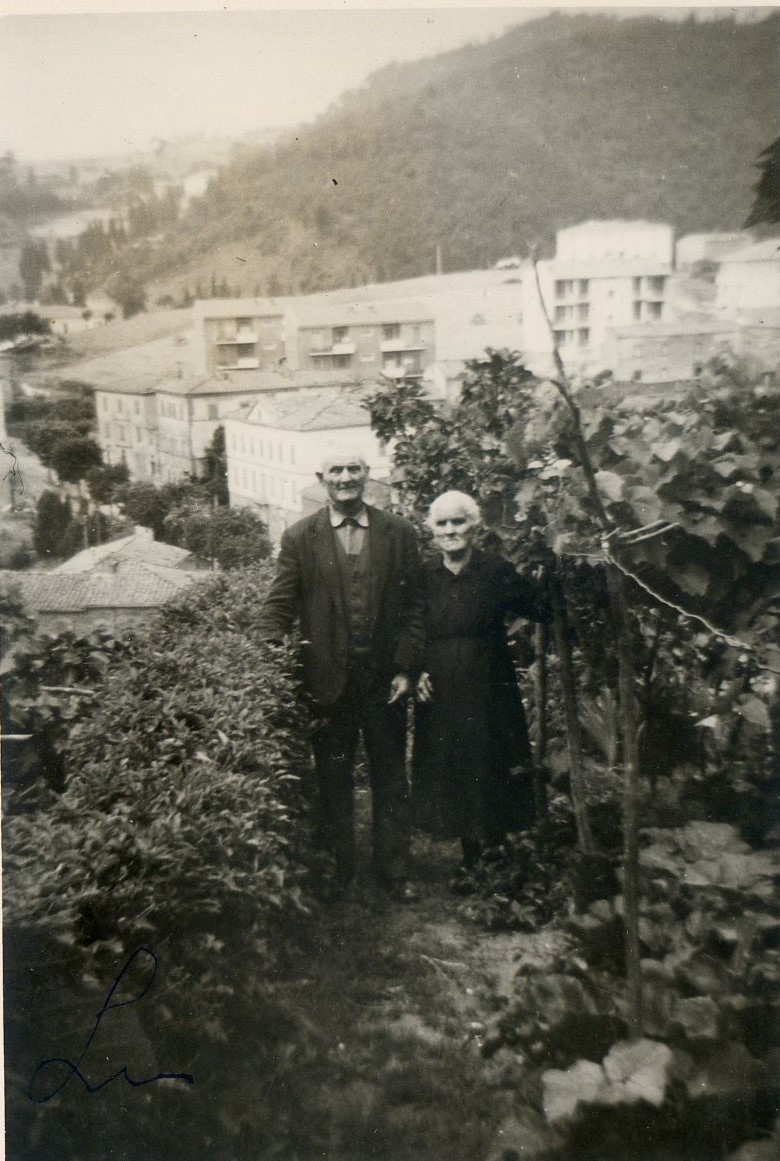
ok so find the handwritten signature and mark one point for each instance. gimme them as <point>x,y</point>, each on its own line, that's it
<point>73,1068</point>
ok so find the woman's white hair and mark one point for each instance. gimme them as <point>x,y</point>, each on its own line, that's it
<point>462,503</point>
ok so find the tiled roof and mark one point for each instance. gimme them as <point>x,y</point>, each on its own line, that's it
<point>140,546</point>
<point>133,587</point>
<point>249,382</point>
<point>311,410</point>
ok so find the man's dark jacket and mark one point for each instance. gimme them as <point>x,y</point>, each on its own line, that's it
<point>308,586</point>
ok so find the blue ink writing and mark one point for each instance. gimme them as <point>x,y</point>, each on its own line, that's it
<point>57,1064</point>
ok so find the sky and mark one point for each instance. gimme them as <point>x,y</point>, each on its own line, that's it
<point>107,81</point>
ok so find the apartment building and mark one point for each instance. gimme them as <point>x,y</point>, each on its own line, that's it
<point>127,424</point>
<point>242,334</point>
<point>693,248</point>
<point>276,447</point>
<point>667,352</point>
<point>191,408</point>
<point>604,275</point>
<point>749,278</point>
<point>391,338</point>
<point>417,326</point>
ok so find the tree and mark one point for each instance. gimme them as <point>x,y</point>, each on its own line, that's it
<point>23,323</point>
<point>33,263</point>
<point>128,293</point>
<point>215,468</point>
<point>233,537</point>
<point>146,505</point>
<point>766,205</point>
<point>72,457</point>
<point>53,519</point>
<point>105,481</point>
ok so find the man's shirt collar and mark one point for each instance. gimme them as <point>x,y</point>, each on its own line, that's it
<point>339,518</point>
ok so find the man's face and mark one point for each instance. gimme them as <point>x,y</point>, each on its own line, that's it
<point>345,482</point>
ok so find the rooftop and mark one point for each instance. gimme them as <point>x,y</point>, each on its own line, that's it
<point>766,251</point>
<point>248,382</point>
<point>136,369</point>
<point>140,547</point>
<point>134,586</point>
<point>311,410</point>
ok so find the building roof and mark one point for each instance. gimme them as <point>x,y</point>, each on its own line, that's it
<point>766,251</point>
<point>136,369</point>
<point>249,382</point>
<point>241,307</point>
<point>646,267</point>
<point>614,224</point>
<point>134,586</point>
<point>335,312</point>
<point>678,329</point>
<point>310,410</point>
<point>134,332</point>
<point>140,547</point>
<point>765,316</point>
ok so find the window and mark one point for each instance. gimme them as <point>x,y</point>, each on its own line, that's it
<point>391,331</point>
<point>560,288</point>
<point>583,286</point>
<point>212,411</point>
<point>342,361</point>
<point>119,406</point>
<point>137,406</point>
<point>657,283</point>
<point>292,453</point>
<point>656,309</point>
<point>583,311</point>
<point>637,286</point>
<point>245,350</point>
<point>340,334</point>
<point>138,435</point>
<point>637,311</point>
<point>583,336</point>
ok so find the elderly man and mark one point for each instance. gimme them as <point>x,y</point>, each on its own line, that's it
<point>350,574</point>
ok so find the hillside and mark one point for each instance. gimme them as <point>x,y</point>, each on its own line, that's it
<point>489,148</point>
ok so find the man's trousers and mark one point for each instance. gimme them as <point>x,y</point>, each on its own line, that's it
<point>362,708</point>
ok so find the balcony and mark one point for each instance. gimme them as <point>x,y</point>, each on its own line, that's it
<point>395,346</point>
<point>336,349</point>
<point>244,336</point>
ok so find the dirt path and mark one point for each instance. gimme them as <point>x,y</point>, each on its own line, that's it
<point>398,999</point>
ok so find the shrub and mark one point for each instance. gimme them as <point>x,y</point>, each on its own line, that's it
<point>181,830</point>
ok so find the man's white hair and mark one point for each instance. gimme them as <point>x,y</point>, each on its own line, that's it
<point>460,502</point>
<point>350,455</point>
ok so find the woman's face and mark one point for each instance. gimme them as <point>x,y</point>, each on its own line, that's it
<point>453,530</point>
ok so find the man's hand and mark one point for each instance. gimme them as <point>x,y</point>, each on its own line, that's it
<point>424,689</point>
<point>399,687</point>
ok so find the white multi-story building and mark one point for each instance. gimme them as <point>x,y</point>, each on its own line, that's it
<point>275,448</point>
<point>749,279</point>
<point>604,275</point>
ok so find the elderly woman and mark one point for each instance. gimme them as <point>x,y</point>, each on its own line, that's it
<point>472,755</point>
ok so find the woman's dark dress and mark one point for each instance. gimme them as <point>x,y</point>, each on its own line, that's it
<point>472,737</point>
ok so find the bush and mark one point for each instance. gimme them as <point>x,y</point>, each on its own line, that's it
<point>181,830</point>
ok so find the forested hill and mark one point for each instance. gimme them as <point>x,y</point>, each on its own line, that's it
<point>489,148</point>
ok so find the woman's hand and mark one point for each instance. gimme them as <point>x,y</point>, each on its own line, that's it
<point>423,691</point>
